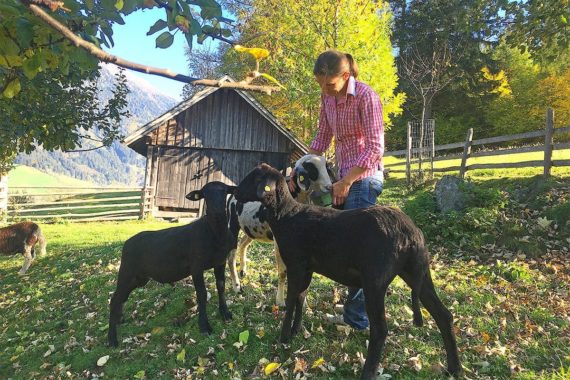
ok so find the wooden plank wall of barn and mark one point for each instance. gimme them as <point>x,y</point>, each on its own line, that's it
<point>220,138</point>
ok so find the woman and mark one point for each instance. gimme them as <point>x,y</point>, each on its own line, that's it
<point>351,112</point>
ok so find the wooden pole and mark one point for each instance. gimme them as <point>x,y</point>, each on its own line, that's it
<point>548,141</point>
<point>409,155</point>
<point>466,153</point>
<point>146,187</point>
<point>3,197</point>
<point>432,153</point>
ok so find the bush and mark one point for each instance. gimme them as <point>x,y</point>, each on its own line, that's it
<point>471,227</point>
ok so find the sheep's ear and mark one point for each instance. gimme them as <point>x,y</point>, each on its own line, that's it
<point>311,169</point>
<point>265,187</point>
<point>195,195</point>
<point>232,189</point>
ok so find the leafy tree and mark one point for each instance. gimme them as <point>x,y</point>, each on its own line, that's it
<point>296,32</point>
<point>451,41</point>
<point>541,27</point>
<point>47,83</point>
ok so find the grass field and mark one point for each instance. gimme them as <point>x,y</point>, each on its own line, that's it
<point>509,293</point>
<point>511,313</point>
<point>23,175</point>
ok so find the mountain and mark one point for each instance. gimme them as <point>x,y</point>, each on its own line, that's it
<point>117,164</point>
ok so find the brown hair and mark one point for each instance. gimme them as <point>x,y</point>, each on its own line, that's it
<point>333,63</point>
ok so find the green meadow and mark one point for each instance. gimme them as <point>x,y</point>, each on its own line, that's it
<point>501,267</point>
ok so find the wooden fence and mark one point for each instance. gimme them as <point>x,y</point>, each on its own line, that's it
<point>78,204</point>
<point>547,163</point>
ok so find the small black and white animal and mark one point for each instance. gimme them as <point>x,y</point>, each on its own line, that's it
<point>22,238</point>
<point>362,248</point>
<point>172,254</point>
<point>313,179</point>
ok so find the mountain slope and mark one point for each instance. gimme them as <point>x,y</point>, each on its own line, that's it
<point>116,164</point>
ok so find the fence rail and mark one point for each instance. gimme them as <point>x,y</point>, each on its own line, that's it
<point>81,204</point>
<point>548,147</point>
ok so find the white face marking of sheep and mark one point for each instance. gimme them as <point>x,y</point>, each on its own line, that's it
<point>313,179</point>
<point>313,175</point>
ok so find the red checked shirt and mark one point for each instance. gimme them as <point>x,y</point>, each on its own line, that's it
<point>357,125</point>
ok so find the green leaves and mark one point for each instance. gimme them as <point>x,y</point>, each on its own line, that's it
<point>181,356</point>
<point>12,89</point>
<point>158,25</point>
<point>244,336</point>
<point>164,40</point>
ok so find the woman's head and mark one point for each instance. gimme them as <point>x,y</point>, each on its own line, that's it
<point>332,70</point>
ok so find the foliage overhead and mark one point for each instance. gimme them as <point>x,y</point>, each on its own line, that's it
<point>38,63</point>
<point>541,27</point>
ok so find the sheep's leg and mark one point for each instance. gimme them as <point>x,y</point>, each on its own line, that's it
<point>42,243</point>
<point>295,286</point>
<point>28,258</point>
<point>374,296</point>
<point>415,282</point>
<point>236,285</point>
<point>125,285</point>
<point>201,296</point>
<point>282,273</point>
<point>219,272</point>
<point>444,320</point>
<point>243,243</point>
<point>299,306</point>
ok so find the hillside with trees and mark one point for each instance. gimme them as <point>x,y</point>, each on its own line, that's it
<point>115,164</point>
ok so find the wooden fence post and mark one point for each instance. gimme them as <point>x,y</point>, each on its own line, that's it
<point>548,141</point>
<point>466,153</point>
<point>147,189</point>
<point>409,155</point>
<point>3,197</point>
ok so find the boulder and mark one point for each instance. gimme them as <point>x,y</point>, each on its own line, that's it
<point>450,193</point>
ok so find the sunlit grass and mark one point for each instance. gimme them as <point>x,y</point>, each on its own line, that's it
<point>563,154</point>
<point>54,319</point>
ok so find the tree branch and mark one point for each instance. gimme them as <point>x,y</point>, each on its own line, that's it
<point>106,57</point>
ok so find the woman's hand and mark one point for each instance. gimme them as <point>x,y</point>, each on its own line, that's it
<point>340,192</point>
<point>291,183</point>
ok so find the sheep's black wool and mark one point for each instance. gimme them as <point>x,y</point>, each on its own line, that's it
<point>172,254</point>
<point>364,248</point>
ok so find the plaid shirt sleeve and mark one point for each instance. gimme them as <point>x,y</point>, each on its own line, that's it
<point>373,129</point>
<point>322,140</point>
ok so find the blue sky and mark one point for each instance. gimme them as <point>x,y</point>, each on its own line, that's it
<point>132,43</point>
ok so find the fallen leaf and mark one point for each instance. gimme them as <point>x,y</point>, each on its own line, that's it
<point>543,222</point>
<point>157,330</point>
<point>244,336</point>
<point>181,357</point>
<point>415,363</point>
<point>271,367</point>
<point>102,360</point>
<point>318,362</point>
<point>300,365</point>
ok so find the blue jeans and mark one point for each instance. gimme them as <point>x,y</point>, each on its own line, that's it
<point>363,193</point>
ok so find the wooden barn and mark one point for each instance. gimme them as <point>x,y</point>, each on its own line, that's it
<point>219,134</point>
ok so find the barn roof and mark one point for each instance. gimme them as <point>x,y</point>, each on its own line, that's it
<point>138,135</point>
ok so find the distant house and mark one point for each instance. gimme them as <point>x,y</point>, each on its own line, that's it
<point>219,134</point>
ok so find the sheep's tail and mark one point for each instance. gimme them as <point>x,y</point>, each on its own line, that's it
<point>42,242</point>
